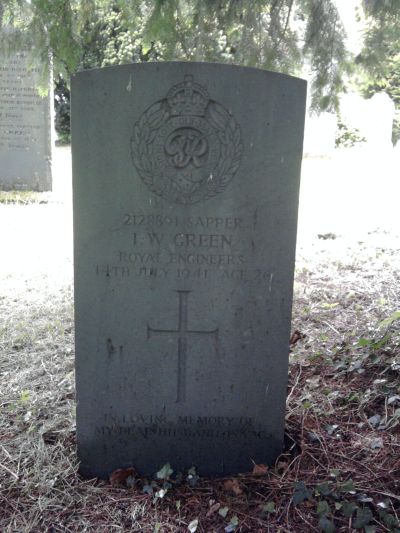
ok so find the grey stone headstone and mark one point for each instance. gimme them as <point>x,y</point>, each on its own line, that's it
<point>25,129</point>
<point>186,179</point>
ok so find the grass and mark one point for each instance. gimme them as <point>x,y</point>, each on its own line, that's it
<point>339,471</point>
<point>23,197</point>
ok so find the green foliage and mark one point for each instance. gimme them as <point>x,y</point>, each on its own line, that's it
<point>62,108</point>
<point>390,320</point>
<point>282,35</point>
<point>233,523</point>
<point>326,525</point>
<point>335,500</point>
<point>165,472</point>
<point>375,355</point>
<point>279,35</point>
<point>269,507</point>
<point>347,137</point>
<point>25,396</point>
<point>324,41</point>
<point>363,517</point>
<point>301,493</point>
<point>192,477</point>
<point>223,511</point>
<point>380,56</point>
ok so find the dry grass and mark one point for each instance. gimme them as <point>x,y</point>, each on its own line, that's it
<point>341,295</point>
<point>338,451</point>
<point>23,197</point>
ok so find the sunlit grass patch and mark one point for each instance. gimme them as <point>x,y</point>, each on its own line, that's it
<point>23,197</point>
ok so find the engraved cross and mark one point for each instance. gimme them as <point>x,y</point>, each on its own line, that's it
<point>182,333</point>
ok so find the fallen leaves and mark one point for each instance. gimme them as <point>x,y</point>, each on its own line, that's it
<point>214,507</point>
<point>123,477</point>
<point>260,470</point>
<point>377,443</point>
<point>165,472</point>
<point>223,511</point>
<point>192,527</point>
<point>296,337</point>
<point>342,397</point>
<point>232,485</point>
<point>234,522</point>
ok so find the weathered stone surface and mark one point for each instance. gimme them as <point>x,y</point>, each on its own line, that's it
<point>186,180</point>
<point>25,129</point>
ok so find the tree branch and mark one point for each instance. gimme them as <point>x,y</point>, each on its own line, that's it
<point>286,25</point>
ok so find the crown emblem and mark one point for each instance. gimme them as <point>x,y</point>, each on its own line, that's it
<point>188,98</point>
<point>186,147</point>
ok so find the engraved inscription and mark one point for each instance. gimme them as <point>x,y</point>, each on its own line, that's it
<point>185,426</point>
<point>20,120</point>
<point>181,432</point>
<point>210,248</point>
<point>182,334</point>
<point>158,221</point>
<point>187,147</point>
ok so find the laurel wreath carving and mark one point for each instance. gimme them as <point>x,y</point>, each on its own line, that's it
<point>144,133</point>
<point>227,130</point>
<point>231,146</point>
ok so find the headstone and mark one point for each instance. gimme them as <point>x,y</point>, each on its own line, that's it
<point>380,125</point>
<point>320,134</point>
<point>373,118</point>
<point>25,131</point>
<point>186,179</point>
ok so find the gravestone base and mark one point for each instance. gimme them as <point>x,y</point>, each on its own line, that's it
<point>39,184</point>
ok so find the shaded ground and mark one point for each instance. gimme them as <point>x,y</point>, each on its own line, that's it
<point>341,468</point>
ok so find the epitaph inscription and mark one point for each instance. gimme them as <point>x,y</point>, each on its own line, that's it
<point>185,205</point>
<point>25,148</point>
<point>187,148</point>
<point>182,335</point>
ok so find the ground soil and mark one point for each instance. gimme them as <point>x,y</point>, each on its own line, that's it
<point>341,466</point>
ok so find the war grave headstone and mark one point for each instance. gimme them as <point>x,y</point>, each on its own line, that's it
<point>372,117</point>
<point>185,181</point>
<point>319,135</point>
<point>25,126</point>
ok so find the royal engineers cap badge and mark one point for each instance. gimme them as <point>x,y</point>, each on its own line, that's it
<point>186,147</point>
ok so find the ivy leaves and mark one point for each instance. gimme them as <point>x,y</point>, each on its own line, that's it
<point>335,501</point>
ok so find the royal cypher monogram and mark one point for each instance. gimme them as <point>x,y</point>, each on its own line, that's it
<point>186,147</point>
